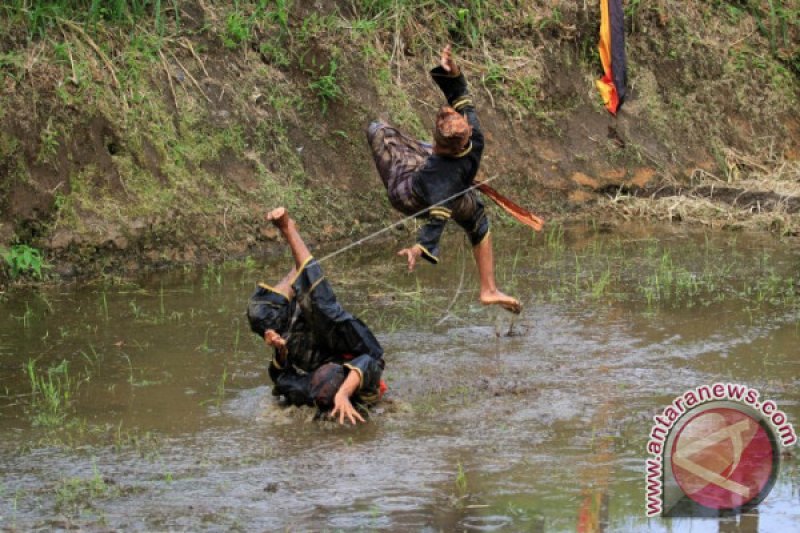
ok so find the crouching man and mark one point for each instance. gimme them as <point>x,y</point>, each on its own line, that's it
<point>323,355</point>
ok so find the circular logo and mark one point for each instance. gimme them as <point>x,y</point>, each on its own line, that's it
<point>724,458</point>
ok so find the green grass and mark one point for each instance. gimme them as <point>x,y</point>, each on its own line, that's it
<point>40,16</point>
<point>525,91</point>
<point>52,393</point>
<point>461,479</point>
<point>554,237</point>
<point>22,260</point>
<point>495,75</point>
<point>48,142</point>
<point>12,64</point>
<point>75,495</point>
<point>219,395</point>
<point>238,30</point>
<point>327,87</point>
<point>664,276</point>
<point>294,63</point>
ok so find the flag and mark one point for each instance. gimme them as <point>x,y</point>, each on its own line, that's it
<point>520,213</point>
<point>612,55</point>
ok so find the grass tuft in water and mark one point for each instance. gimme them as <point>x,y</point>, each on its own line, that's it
<point>52,393</point>
<point>76,495</point>
<point>461,479</point>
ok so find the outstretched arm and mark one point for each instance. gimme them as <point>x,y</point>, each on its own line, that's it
<point>280,217</point>
<point>453,84</point>
<point>448,76</point>
<point>341,402</point>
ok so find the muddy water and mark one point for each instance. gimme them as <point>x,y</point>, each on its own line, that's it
<point>166,419</point>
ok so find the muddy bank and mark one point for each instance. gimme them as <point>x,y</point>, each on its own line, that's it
<point>162,142</point>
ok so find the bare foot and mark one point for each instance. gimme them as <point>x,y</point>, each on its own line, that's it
<point>503,300</point>
<point>280,217</point>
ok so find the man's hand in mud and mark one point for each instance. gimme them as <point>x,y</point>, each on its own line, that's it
<point>411,254</point>
<point>343,407</point>
<point>447,62</point>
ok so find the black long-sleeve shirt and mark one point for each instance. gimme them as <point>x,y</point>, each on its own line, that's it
<point>320,331</point>
<point>443,176</point>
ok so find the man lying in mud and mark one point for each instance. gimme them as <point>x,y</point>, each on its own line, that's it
<point>323,355</point>
<point>419,176</point>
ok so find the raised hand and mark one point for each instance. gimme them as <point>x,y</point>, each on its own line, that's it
<point>447,62</point>
<point>279,216</point>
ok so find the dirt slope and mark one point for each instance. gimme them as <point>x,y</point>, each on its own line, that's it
<point>163,141</point>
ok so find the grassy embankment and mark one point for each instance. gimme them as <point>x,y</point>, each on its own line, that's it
<point>147,132</point>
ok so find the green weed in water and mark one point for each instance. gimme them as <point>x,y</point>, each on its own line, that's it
<point>461,479</point>
<point>600,286</point>
<point>221,386</point>
<point>161,301</point>
<point>554,237</point>
<point>92,358</point>
<point>212,274</point>
<point>220,394</point>
<point>25,317</point>
<point>105,306</point>
<point>145,444</point>
<point>131,377</point>
<point>237,337</point>
<point>52,393</point>
<point>74,495</point>
<point>138,312</point>
<point>205,347</point>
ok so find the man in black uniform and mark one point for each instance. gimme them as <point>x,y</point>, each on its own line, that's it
<point>418,175</point>
<point>324,356</point>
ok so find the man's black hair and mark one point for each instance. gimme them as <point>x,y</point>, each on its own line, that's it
<point>268,310</point>
<point>325,383</point>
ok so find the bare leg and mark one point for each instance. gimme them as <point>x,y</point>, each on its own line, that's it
<point>280,217</point>
<point>489,293</point>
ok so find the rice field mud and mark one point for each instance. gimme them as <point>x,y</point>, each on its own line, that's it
<point>145,405</point>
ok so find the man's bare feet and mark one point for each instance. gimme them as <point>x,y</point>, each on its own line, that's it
<point>280,217</point>
<point>503,300</point>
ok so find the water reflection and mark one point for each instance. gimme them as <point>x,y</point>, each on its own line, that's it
<point>171,424</point>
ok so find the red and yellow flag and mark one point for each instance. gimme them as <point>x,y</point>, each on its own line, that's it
<point>516,211</point>
<point>612,55</point>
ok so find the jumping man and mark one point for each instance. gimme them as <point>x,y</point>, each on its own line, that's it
<point>419,176</point>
